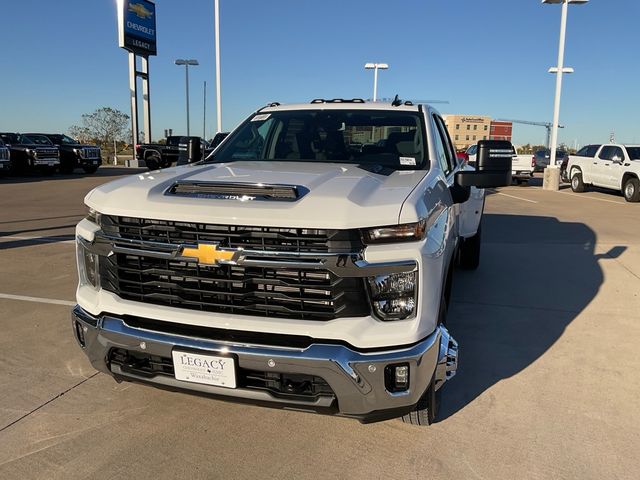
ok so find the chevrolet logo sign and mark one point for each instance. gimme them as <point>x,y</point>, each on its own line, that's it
<point>208,254</point>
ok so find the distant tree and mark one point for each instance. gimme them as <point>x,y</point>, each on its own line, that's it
<point>102,126</point>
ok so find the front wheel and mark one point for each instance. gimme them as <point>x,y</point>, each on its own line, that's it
<point>90,169</point>
<point>631,190</point>
<point>426,409</point>
<point>469,258</point>
<point>577,185</point>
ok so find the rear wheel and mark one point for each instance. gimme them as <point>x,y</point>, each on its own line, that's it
<point>577,185</point>
<point>631,190</point>
<point>469,257</point>
<point>153,161</point>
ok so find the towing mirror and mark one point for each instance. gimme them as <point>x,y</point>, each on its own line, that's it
<point>493,166</point>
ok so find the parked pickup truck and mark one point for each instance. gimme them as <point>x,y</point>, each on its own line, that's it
<point>612,166</point>
<point>5,158</point>
<point>29,154</point>
<point>73,154</point>
<point>158,155</point>
<point>290,269</point>
<point>522,168</point>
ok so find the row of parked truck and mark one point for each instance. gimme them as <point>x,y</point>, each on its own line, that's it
<point>46,153</point>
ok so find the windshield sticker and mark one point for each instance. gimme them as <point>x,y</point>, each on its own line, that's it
<point>407,161</point>
<point>261,117</point>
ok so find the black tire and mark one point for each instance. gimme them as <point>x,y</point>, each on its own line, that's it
<point>631,190</point>
<point>469,255</point>
<point>577,185</point>
<point>426,410</point>
<point>153,161</point>
<point>518,181</point>
<point>90,169</point>
<point>49,171</point>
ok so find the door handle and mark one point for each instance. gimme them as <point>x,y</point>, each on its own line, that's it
<point>595,163</point>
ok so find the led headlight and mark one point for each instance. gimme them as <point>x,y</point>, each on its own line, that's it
<point>87,266</point>
<point>408,232</point>
<point>393,297</point>
<point>93,216</point>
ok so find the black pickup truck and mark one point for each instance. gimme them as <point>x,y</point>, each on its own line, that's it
<point>73,154</point>
<point>30,154</point>
<point>157,155</point>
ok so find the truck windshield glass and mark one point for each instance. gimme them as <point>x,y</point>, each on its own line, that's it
<point>64,140</point>
<point>634,153</point>
<point>38,140</point>
<point>386,138</point>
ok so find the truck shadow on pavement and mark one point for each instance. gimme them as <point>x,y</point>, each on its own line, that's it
<point>536,275</point>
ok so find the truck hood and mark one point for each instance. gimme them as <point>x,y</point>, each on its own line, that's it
<point>337,196</point>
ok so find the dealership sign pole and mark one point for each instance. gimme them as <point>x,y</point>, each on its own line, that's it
<point>137,35</point>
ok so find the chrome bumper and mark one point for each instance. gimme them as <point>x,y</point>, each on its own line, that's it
<point>357,379</point>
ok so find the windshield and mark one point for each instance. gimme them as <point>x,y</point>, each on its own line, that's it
<point>36,139</point>
<point>64,140</point>
<point>387,138</point>
<point>10,138</point>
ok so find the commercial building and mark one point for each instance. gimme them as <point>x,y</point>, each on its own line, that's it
<point>500,130</point>
<point>467,130</point>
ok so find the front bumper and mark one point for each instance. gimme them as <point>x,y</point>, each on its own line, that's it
<point>45,162</point>
<point>356,379</point>
<point>90,162</point>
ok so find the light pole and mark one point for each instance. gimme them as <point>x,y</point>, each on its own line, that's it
<point>186,64</point>
<point>552,173</point>
<point>375,67</point>
<point>217,40</point>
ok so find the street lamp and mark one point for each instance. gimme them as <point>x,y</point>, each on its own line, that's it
<point>216,8</point>
<point>551,173</point>
<point>186,64</point>
<point>375,67</point>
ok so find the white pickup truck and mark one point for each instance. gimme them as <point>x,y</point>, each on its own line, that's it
<point>611,166</point>
<point>522,167</point>
<point>290,268</point>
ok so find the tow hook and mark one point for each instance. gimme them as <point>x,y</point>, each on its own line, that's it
<point>447,358</point>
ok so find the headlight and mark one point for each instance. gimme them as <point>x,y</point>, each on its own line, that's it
<point>87,266</point>
<point>93,216</point>
<point>394,297</point>
<point>408,232</point>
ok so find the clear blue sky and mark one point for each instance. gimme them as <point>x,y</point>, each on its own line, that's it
<point>61,59</point>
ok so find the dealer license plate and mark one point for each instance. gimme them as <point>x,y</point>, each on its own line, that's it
<point>206,369</point>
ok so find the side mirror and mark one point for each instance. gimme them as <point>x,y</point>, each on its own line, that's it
<point>616,159</point>
<point>493,166</point>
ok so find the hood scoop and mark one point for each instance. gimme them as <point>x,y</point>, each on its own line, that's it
<point>237,191</point>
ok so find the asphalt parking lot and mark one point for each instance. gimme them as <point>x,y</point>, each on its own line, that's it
<point>547,387</point>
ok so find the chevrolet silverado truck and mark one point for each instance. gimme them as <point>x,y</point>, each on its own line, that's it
<point>5,158</point>
<point>611,166</point>
<point>28,154</point>
<point>288,268</point>
<point>73,154</point>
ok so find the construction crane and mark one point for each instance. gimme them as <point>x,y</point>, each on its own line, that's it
<point>546,125</point>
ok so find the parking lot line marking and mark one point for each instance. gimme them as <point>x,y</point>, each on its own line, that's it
<point>591,198</point>
<point>513,196</point>
<point>38,239</point>
<point>24,298</point>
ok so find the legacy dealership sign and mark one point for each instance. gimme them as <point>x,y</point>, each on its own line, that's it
<point>137,26</point>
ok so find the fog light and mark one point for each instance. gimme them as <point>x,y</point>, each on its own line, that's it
<point>87,266</point>
<point>394,296</point>
<point>396,377</point>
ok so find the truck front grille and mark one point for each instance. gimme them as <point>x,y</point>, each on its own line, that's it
<point>298,293</point>
<point>47,152</point>
<point>4,154</point>
<point>300,240</point>
<point>90,153</point>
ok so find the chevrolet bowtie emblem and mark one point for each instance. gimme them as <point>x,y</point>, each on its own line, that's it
<point>208,254</point>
